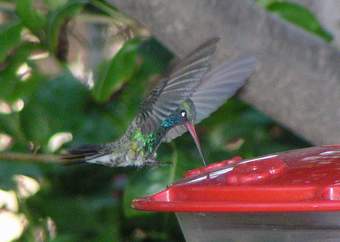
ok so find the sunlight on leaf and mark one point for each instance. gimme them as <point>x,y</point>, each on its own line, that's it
<point>59,139</point>
<point>18,105</point>
<point>30,16</point>
<point>5,141</point>
<point>24,72</point>
<point>5,108</point>
<point>12,223</point>
<point>26,186</point>
<point>12,226</point>
<point>8,200</point>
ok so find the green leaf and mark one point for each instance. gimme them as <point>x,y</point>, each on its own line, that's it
<point>80,217</point>
<point>57,106</point>
<point>10,124</point>
<point>24,89</point>
<point>118,71</point>
<point>155,57</point>
<point>35,123</point>
<point>300,16</point>
<point>9,38</point>
<point>8,169</point>
<point>30,16</point>
<point>54,4</point>
<point>58,18</point>
<point>8,76</point>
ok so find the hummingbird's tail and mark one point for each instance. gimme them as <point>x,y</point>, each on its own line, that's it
<point>83,154</point>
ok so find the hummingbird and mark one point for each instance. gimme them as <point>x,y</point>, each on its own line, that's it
<point>189,93</point>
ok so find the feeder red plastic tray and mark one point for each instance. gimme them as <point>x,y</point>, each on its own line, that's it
<point>299,180</point>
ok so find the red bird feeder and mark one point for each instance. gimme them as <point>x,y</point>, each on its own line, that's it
<point>290,196</point>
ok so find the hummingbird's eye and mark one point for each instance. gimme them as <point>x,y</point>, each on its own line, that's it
<point>183,113</point>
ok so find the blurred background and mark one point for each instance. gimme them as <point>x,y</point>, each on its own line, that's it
<point>74,72</point>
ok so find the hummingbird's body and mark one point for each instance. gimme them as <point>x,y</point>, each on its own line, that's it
<point>185,97</point>
<point>134,148</point>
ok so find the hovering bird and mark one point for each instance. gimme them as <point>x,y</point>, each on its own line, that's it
<point>188,94</point>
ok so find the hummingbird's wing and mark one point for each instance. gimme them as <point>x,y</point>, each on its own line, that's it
<point>216,87</point>
<point>181,81</point>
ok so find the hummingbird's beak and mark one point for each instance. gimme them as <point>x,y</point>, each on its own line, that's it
<point>191,128</point>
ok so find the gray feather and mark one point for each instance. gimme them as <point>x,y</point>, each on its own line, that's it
<point>216,88</point>
<point>182,80</point>
<point>220,84</point>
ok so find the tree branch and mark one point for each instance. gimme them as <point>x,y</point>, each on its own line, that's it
<point>40,158</point>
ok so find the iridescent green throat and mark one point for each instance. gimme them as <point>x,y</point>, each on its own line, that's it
<point>150,142</point>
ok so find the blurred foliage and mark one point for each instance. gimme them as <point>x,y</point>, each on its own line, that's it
<point>41,99</point>
<point>118,70</point>
<point>298,15</point>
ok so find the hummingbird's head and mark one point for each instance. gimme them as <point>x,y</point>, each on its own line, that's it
<point>185,115</point>
<point>187,112</point>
